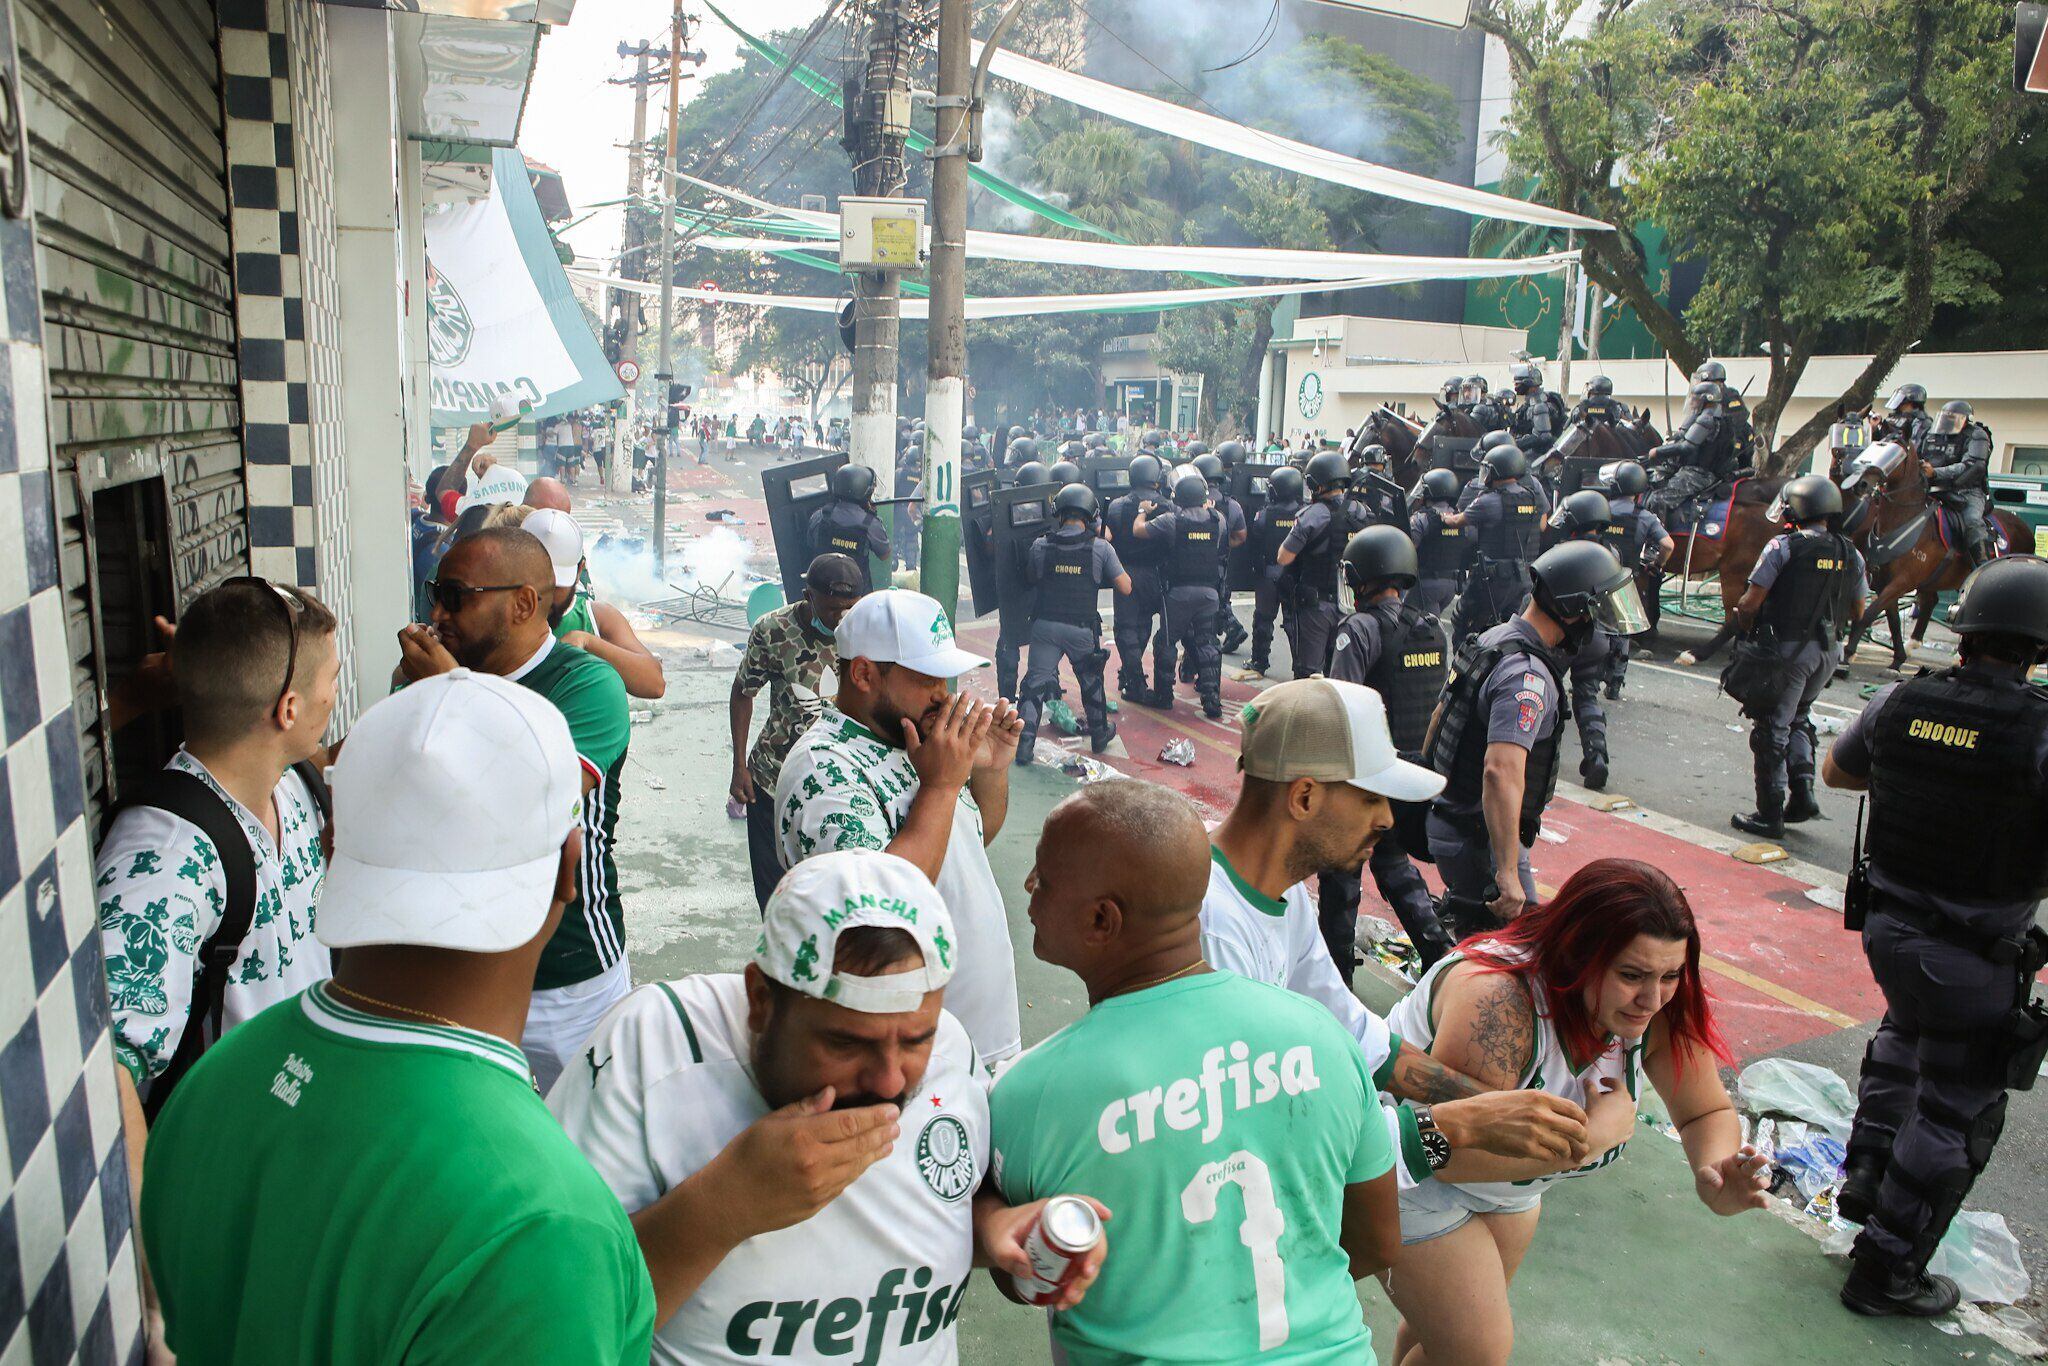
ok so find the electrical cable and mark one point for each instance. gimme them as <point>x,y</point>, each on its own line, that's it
<point>1266,32</point>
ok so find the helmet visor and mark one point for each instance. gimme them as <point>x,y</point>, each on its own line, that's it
<point>1948,424</point>
<point>1621,610</point>
<point>1897,402</point>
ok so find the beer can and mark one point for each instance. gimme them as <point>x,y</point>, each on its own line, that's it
<point>1067,1230</point>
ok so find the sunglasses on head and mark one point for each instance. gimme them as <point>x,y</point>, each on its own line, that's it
<point>450,597</point>
<point>290,603</point>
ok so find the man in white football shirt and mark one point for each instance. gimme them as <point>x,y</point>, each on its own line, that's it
<point>800,1145</point>
<point>1319,767</point>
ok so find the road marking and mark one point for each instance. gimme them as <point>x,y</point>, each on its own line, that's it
<point>1806,1005</point>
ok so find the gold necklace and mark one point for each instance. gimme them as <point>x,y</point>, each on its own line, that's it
<point>1195,966</point>
<point>370,1000</point>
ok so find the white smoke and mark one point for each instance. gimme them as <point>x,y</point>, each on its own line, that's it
<point>1003,156</point>
<point>622,568</point>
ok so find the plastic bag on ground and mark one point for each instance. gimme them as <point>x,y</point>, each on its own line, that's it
<point>1061,717</point>
<point>1978,1253</point>
<point>1798,1090</point>
<point>1814,1165</point>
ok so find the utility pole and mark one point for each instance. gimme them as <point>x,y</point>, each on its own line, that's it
<point>632,240</point>
<point>1564,327</point>
<point>945,399</point>
<point>665,371</point>
<point>875,141</point>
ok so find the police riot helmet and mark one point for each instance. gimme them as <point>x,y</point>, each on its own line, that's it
<point>1624,478</point>
<point>1914,394</point>
<point>1072,450</point>
<point>970,433</point>
<point>1496,438</point>
<point>1712,371</point>
<point>1230,452</point>
<point>852,483</point>
<point>1032,472</point>
<point>1286,486</point>
<point>1190,489</point>
<point>1600,387</point>
<point>1074,500</point>
<point>1380,554</point>
<point>1327,470</point>
<point>1808,498</point>
<point>1527,378</point>
<point>1155,438</point>
<point>1580,512</point>
<point>1705,394</point>
<point>1195,448</point>
<point>1373,455</point>
<point>2007,596</point>
<point>1209,466</point>
<point>1472,389</point>
<point>1065,472</point>
<point>1016,430</point>
<point>1145,471</point>
<point>1449,392</point>
<point>1439,486</point>
<point>1503,398</point>
<point>1023,448</point>
<point>1579,584</point>
<point>1504,461</point>
<point>1094,440</point>
<point>1955,415</point>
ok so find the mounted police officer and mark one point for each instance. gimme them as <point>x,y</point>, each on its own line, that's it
<point>1285,491</point>
<point>1905,417</point>
<point>1956,764</point>
<point>1495,734</point>
<point>1583,516</point>
<point>1311,554</point>
<point>1216,470</point>
<point>1399,652</point>
<point>1956,458</point>
<point>1507,522</point>
<point>1069,568</point>
<point>1471,393</point>
<point>1373,498</point>
<point>1193,533</point>
<point>1598,405</point>
<point>1132,614</point>
<point>1637,538</point>
<point>1693,455</point>
<point>1452,389</point>
<point>1807,586</point>
<point>1490,410</point>
<point>1539,415</point>
<point>1738,442</point>
<point>847,524</point>
<point>1442,542</point>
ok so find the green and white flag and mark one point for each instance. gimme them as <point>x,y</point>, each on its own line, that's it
<point>500,316</point>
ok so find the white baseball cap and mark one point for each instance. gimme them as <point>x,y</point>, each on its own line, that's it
<point>1333,732</point>
<point>508,410</point>
<point>558,531</point>
<point>498,484</point>
<point>897,626</point>
<point>823,897</point>
<point>451,802</point>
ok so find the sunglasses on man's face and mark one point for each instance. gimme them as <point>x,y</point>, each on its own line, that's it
<point>451,597</point>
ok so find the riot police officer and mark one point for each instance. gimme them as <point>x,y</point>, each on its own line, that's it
<point>1471,392</point>
<point>1738,442</point>
<point>1442,542</point>
<point>1583,516</point>
<point>1065,472</point>
<point>1216,470</point>
<point>1311,554</point>
<point>1598,405</point>
<point>1373,499</point>
<point>1132,614</point>
<point>1398,651</point>
<point>909,484</point>
<point>1637,538</point>
<point>1495,735</point>
<point>1447,396</point>
<point>1022,450</point>
<point>1539,416</point>
<point>1693,454</point>
<point>847,524</point>
<point>1905,416</point>
<point>1507,522</point>
<point>1806,587</point>
<point>1269,531</point>
<point>1956,458</point>
<point>1193,535</point>
<point>1476,485</point>
<point>1069,567</point>
<point>1956,764</point>
<point>1490,410</point>
<point>1010,642</point>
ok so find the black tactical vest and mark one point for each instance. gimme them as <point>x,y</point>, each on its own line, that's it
<point>1516,535</point>
<point>1133,551</point>
<point>1456,743</point>
<point>1623,535</point>
<point>1738,442</point>
<point>1951,764</point>
<point>1939,450</point>
<point>1194,553</point>
<point>1270,532</point>
<point>1410,671</point>
<point>1812,592</point>
<point>1441,552</point>
<point>1067,588</point>
<point>1600,410</point>
<point>843,527</point>
<point>1317,565</point>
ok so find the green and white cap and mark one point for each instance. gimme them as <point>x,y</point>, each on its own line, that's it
<point>823,897</point>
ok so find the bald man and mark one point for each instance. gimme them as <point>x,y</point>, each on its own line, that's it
<point>1181,1081</point>
<point>547,492</point>
<point>491,597</point>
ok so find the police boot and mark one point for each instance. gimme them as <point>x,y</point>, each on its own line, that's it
<point>1212,706</point>
<point>1862,1173</point>
<point>1767,822</point>
<point>1801,806</point>
<point>1593,768</point>
<point>1234,634</point>
<point>1881,1289</point>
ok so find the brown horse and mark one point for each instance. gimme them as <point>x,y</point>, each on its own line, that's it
<point>1730,558</point>
<point>1401,436</point>
<point>1894,522</point>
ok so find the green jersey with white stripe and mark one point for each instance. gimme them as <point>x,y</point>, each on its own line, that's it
<point>1220,1120</point>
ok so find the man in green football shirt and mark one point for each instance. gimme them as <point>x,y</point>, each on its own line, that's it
<point>1230,1126</point>
<point>363,1173</point>
<point>491,597</point>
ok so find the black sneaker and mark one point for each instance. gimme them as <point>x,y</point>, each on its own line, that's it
<point>1901,1293</point>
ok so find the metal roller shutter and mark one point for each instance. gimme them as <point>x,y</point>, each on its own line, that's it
<point>123,110</point>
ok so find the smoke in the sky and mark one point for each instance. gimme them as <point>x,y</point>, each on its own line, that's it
<point>622,568</point>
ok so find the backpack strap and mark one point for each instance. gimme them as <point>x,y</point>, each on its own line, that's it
<point>189,798</point>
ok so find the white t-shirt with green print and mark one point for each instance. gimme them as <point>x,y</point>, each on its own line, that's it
<point>841,788</point>
<point>162,892</point>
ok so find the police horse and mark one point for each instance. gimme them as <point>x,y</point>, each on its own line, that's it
<point>1908,546</point>
<point>1412,449</point>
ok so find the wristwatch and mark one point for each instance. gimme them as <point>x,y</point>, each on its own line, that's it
<point>1435,1147</point>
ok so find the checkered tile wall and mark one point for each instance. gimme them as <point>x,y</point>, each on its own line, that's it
<point>68,1281</point>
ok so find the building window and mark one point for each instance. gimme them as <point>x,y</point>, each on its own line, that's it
<point>2029,460</point>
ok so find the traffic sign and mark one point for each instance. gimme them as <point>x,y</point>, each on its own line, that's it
<point>629,372</point>
<point>2029,51</point>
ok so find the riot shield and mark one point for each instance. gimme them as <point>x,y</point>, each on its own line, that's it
<point>1248,485</point>
<point>795,491</point>
<point>1394,495</point>
<point>1020,516</point>
<point>1108,475</point>
<point>1458,454</point>
<point>1578,472</point>
<point>976,521</point>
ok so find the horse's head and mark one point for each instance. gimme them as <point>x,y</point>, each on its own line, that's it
<point>1577,439</point>
<point>1884,465</point>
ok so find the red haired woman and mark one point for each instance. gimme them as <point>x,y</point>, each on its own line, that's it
<point>1581,997</point>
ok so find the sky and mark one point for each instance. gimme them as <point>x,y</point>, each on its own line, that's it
<point>579,125</point>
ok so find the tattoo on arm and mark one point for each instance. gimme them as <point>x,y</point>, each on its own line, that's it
<point>1502,1032</point>
<point>1421,1078</point>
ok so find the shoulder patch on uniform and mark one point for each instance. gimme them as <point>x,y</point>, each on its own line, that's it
<point>1343,641</point>
<point>1528,715</point>
<point>1534,683</point>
